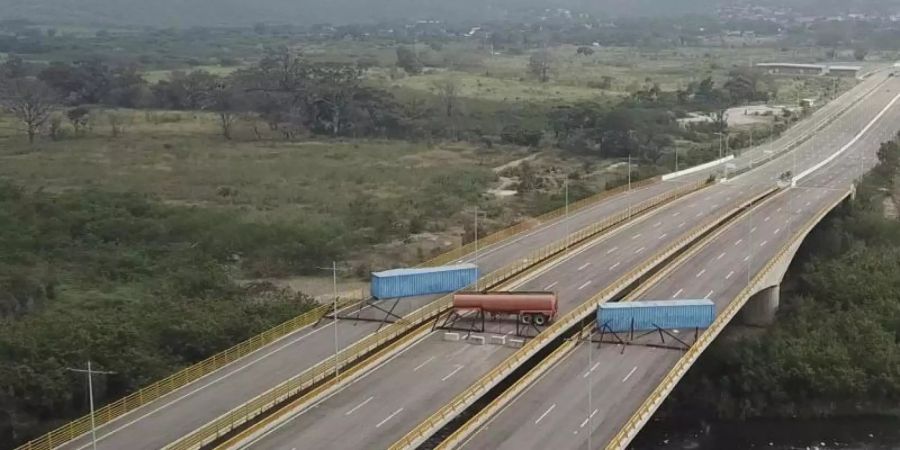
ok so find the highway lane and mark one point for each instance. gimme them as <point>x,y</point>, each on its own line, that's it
<point>185,409</point>
<point>557,409</point>
<point>307,428</point>
<point>575,279</point>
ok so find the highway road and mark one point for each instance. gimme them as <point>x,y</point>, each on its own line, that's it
<point>176,414</point>
<point>557,412</point>
<point>186,409</point>
<point>380,421</point>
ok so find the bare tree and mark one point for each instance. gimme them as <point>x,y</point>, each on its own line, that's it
<point>226,101</point>
<point>448,90</point>
<point>540,65</point>
<point>117,123</point>
<point>30,100</point>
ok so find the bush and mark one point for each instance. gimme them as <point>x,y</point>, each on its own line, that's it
<point>513,134</point>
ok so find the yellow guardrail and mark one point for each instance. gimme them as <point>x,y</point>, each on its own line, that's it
<point>349,355</point>
<point>181,378</point>
<point>479,419</point>
<point>532,223</point>
<point>450,410</point>
<point>643,414</point>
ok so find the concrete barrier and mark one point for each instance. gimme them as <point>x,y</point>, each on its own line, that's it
<point>673,175</point>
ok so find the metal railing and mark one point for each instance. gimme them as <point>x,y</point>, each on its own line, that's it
<point>795,142</point>
<point>450,410</point>
<point>655,399</point>
<point>324,370</point>
<point>179,379</point>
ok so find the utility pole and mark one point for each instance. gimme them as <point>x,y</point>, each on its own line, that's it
<point>629,170</point>
<point>566,182</point>
<point>90,376</point>
<point>676,159</point>
<point>590,388</point>
<point>337,348</point>
<point>334,290</point>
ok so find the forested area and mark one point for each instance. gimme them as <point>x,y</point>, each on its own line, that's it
<point>138,288</point>
<point>835,348</point>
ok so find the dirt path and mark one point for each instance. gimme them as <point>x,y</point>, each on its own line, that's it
<point>515,163</point>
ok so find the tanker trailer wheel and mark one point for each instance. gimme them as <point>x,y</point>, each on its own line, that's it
<point>540,320</point>
<point>525,318</point>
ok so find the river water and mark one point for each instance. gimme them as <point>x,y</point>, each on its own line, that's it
<point>846,434</point>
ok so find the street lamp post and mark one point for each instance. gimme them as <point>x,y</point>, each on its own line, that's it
<point>566,182</point>
<point>477,213</point>
<point>335,300</point>
<point>629,170</point>
<point>337,349</point>
<point>90,376</point>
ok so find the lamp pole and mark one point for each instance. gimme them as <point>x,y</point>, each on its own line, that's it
<point>90,376</point>
<point>337,349</point>
<point>566,182</point>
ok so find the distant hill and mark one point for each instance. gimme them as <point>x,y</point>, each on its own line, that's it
<point>185,13</point>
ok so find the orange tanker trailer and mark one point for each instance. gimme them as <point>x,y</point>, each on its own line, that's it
<point>531,307</point>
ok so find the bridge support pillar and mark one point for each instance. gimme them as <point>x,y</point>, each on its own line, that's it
<point>761,307</point>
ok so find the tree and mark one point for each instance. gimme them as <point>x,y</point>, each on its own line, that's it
<point>335,88</point>
<point>584,50</point>
<point>78,117</point>
<point>186,91</point>
<point>227,102</point>
<point>29,100</point>
<point>448,91</point>
<point>860,53</point>
<point>540,65</point>
<point>13,67</point>
<point>87,81</point>
<point>408,60</point>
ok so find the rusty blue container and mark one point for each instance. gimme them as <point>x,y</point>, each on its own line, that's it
<point>399,283</point>
<point>651,315</point>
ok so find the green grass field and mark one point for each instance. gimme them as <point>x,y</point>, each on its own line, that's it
<point>372,188</point>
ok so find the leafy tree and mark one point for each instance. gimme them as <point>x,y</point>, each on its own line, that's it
<point>79,118</point>
<point>184,91</point>
<point>408,60</point>
<point>860,53</point>
<point>13,67</point>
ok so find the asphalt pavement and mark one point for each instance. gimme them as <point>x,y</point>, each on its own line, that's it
<point>557,412</point>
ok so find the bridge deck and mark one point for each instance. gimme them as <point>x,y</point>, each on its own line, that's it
<point>555,410</point>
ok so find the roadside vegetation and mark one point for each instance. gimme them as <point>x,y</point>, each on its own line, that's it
<point>835,348</point>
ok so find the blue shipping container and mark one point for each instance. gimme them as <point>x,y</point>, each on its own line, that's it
<point>646,316</point>
<point>412,282</point>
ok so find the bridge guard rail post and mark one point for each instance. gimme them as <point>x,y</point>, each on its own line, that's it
<point>646,410</point>
<point>449,411</point>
